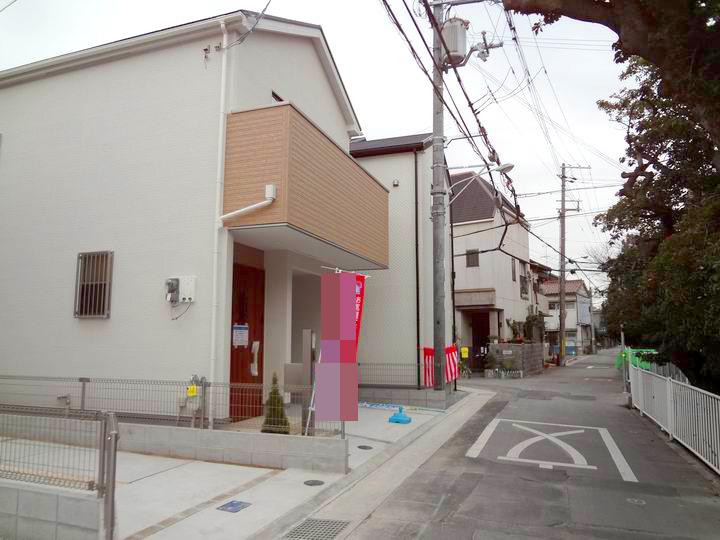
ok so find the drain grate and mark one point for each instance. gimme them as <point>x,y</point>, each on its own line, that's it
<point>317,529</point>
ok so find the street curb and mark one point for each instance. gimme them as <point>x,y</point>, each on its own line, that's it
<point>299,513</point>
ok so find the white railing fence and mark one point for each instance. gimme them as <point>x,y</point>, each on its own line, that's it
<point>687,413</point>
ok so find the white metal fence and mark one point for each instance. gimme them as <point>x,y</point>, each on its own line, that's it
<point>686,413</point>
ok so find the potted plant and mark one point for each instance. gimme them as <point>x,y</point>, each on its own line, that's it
<point>507,365</point>
<point>275,419</point>
<point>490,365</point>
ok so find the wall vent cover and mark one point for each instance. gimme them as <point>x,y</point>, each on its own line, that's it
<point>317,529</point>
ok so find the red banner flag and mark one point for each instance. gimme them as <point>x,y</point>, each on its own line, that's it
<point>359,302</point>
<point>452,369</point>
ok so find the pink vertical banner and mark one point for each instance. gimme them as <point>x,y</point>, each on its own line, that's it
<point>336,375</point>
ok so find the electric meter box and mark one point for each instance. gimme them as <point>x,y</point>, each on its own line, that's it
<point>186,289</point>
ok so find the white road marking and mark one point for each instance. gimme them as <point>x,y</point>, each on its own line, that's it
<point>549,464</point>
<point>590,367</point>
<point>620,461</point>
<point>576,456</point>
<point>479,444</point>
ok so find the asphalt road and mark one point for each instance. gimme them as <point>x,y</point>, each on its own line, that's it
<point>556,456</point>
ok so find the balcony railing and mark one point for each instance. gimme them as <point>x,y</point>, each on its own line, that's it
<point>321,190</point>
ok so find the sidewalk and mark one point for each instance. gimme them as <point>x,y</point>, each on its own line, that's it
<point>359,494</point>
<point>161,497</point>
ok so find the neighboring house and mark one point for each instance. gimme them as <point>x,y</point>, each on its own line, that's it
<point>578,322</point>
<point>398,314</point>
<point>539,273</point>
<point>115,165</point>
<point>493,290</point>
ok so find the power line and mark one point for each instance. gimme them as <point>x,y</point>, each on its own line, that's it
<point>7,5</point>
<point>538,193</point>
<point>481,129</point>
<point>461,124</point>
<point>592,212</point>
<point>577,139</point>
<point>464,129</point>
<point>242,38</point>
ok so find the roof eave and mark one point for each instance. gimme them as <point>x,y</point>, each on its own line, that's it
<point>161,38</point>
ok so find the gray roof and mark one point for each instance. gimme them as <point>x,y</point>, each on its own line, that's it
<point>391,145</point>
<point>572,286</point>
<point>475,203</point>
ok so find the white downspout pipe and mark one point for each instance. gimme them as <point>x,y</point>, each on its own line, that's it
<point>218,230</point>
<point>270,196</point>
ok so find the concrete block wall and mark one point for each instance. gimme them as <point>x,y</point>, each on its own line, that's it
<point>533,357</point>
<point>259,449</point>
<point>34,512</point>
<point>424,397</point>
<point>527,357</point>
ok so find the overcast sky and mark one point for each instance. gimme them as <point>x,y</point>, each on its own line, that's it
<point>571,67</point>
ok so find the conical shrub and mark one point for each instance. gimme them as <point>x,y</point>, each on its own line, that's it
<point>275,419</point>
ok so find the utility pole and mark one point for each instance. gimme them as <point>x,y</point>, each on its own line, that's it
<point>626,367</point>
<point>563,311</point>
<point>561,332</point>
<point>438,204</point>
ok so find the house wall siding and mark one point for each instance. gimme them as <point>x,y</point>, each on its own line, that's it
<point>256,154</point>
<point>289,66</point>
<point>122,156</point>
<point>333,197</point>
<point>494,269</point>
<point>116,156</point>
<point>388,333</point>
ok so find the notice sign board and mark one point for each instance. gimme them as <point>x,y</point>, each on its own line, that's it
<point>240,334</point>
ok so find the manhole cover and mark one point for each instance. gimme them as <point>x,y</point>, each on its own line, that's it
<point>314,482</point>
<point>638,502</point>
<point>365,447</point>
<point>317,529</point>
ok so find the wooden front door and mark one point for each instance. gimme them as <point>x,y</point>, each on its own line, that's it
<point>480,332</point>
<point>248,308</point>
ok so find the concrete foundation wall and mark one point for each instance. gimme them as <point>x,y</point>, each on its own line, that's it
<point>259,449</point>
<point>424,397</point>
<point>31,512</point>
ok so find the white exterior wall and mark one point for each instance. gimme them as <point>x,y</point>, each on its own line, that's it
<point>281,269</point>
<point>578,319</point>
<point>289,66</point>
<point>305,311</point>
<point>584,305</point>
<point>388,329</point>
<point>122,156</point>
<point>388,332</point>
<point>117,156</point>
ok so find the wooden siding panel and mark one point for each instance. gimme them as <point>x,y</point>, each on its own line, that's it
<point>333,197</point>
<point>256,154</point>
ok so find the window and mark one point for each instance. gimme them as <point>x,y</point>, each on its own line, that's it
<point>276,97</point>
<point>93,284</point>
<point>524,288</point>
<point>552,305</point>
<point>512,265</point>
<point>472,258</point>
